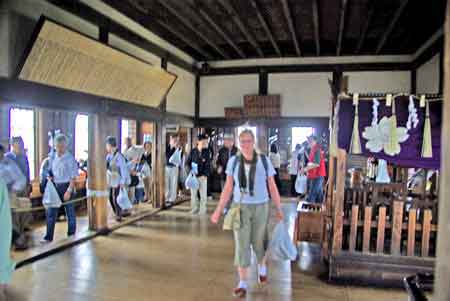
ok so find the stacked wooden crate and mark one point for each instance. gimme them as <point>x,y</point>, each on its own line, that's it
<point>234,113</point>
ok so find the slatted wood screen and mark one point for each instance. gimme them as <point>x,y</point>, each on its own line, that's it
<point>399,233</point>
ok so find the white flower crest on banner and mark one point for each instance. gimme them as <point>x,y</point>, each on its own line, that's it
<point>378,137</point>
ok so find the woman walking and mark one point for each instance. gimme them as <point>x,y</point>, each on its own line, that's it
<point>6,265</point>
<point>275,159</point>
<point>250,178</point>
<point>118,175</point>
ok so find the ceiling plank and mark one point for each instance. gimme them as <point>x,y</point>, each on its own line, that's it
<point>183,37</point>
<point>391,26</point>
<point>265,26</point>
<point>189,25</point>
<point>236,19</point>
<point>341,27</point>
<point>224,35</point>
<point>315,10</point>
<point>290,21</point>
<point>365,29</point>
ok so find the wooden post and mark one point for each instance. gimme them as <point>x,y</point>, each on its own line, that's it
<point>426,229</point>
<point>262,133</point>
<point>397,223</point>
<point>97,203</point>
<point>159,159</point>
<point>441,287</point>
<point>42,137</point>
<point>381,229</point>
<point>353,228</point>
<point>411,232</point>
<point>339,201</point>
<point>367,229</point>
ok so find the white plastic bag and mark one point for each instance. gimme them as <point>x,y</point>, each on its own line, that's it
<point>281,246</point>
<point>123,201</point>
<point>51,199</point>
<point>175,159</point>
<point>300,184</point>
<point>192,182</point>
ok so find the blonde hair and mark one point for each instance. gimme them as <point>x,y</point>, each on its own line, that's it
<point>247,132</point>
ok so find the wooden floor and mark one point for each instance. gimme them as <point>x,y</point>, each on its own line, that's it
<point>173,256</point>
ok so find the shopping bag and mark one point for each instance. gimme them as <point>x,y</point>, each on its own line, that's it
<point>192,182</point>
<point>300,184</point>
<point>123,201</point>
<point>232,219</point>
<point>281,247</point>
<point>51,198</point>
<point>175,159</point>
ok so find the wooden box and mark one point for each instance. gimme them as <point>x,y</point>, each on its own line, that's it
<point>234,112</point>
<point>308,225</point>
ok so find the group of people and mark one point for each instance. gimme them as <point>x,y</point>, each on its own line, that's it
<point>308,160</point>
<point>128,173</point>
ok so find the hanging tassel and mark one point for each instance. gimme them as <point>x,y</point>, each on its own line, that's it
<point>427,146</point>
<point>355,145</point>
<point>393,145</point>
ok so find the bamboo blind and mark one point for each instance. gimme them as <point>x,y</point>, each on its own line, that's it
<point>63,58</point>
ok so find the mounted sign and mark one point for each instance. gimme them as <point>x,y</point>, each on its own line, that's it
<point>66,59</point>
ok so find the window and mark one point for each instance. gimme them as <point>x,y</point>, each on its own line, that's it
<point>242,128</point>
<point>127,129</point>
<point>300,135</point>
<point>81,137</point>
<point>22,124</point>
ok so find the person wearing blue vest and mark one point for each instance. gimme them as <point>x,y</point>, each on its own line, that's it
<point>250,178</point>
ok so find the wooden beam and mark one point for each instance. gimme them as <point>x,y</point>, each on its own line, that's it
<point>441,71</point>
<point>365,29</point>
<point>189,25</point>
<point>237,20</point>
<point>159,151</point>
<point>338,209</point>
<point>341,27</point>
<point>90,15</point>
<point>183,38</point>
<point>217,28</point>
<point>308,68</point>
<point>429,53</point>
<point>441,287</point>
<point>391,26</point>
<point>413,81</point>
<point>315,11</point>
<point>290,21</point>
<point>265,26</point>
<point>197,98</point>
<point>263,82</point>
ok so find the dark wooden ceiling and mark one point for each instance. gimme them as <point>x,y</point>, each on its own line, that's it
<point>233,29</point>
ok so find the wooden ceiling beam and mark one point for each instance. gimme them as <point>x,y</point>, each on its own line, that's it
<point>189,25</point>
<point>341,27</point>
<point>365,29</point>
<point>217,28</point>
<point>237,20</point>
<point>391,26</point>
<point>290,21</point>
<point>183,37</point>
<point>315,10</point>
<point>265,26</point>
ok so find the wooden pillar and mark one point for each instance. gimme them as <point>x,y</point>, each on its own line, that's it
<point>97,189</point>
<point>441,288</point>
<point>338,208</point>
<point>42,136</point>
<point>159,163</point>
<point>262,138</point>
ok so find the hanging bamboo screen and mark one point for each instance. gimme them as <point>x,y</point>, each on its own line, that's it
<point>66,59</point>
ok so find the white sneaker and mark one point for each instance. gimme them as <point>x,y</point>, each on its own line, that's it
<point>43,241</point>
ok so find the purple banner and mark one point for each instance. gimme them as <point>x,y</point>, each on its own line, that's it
<point>411,149</point>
